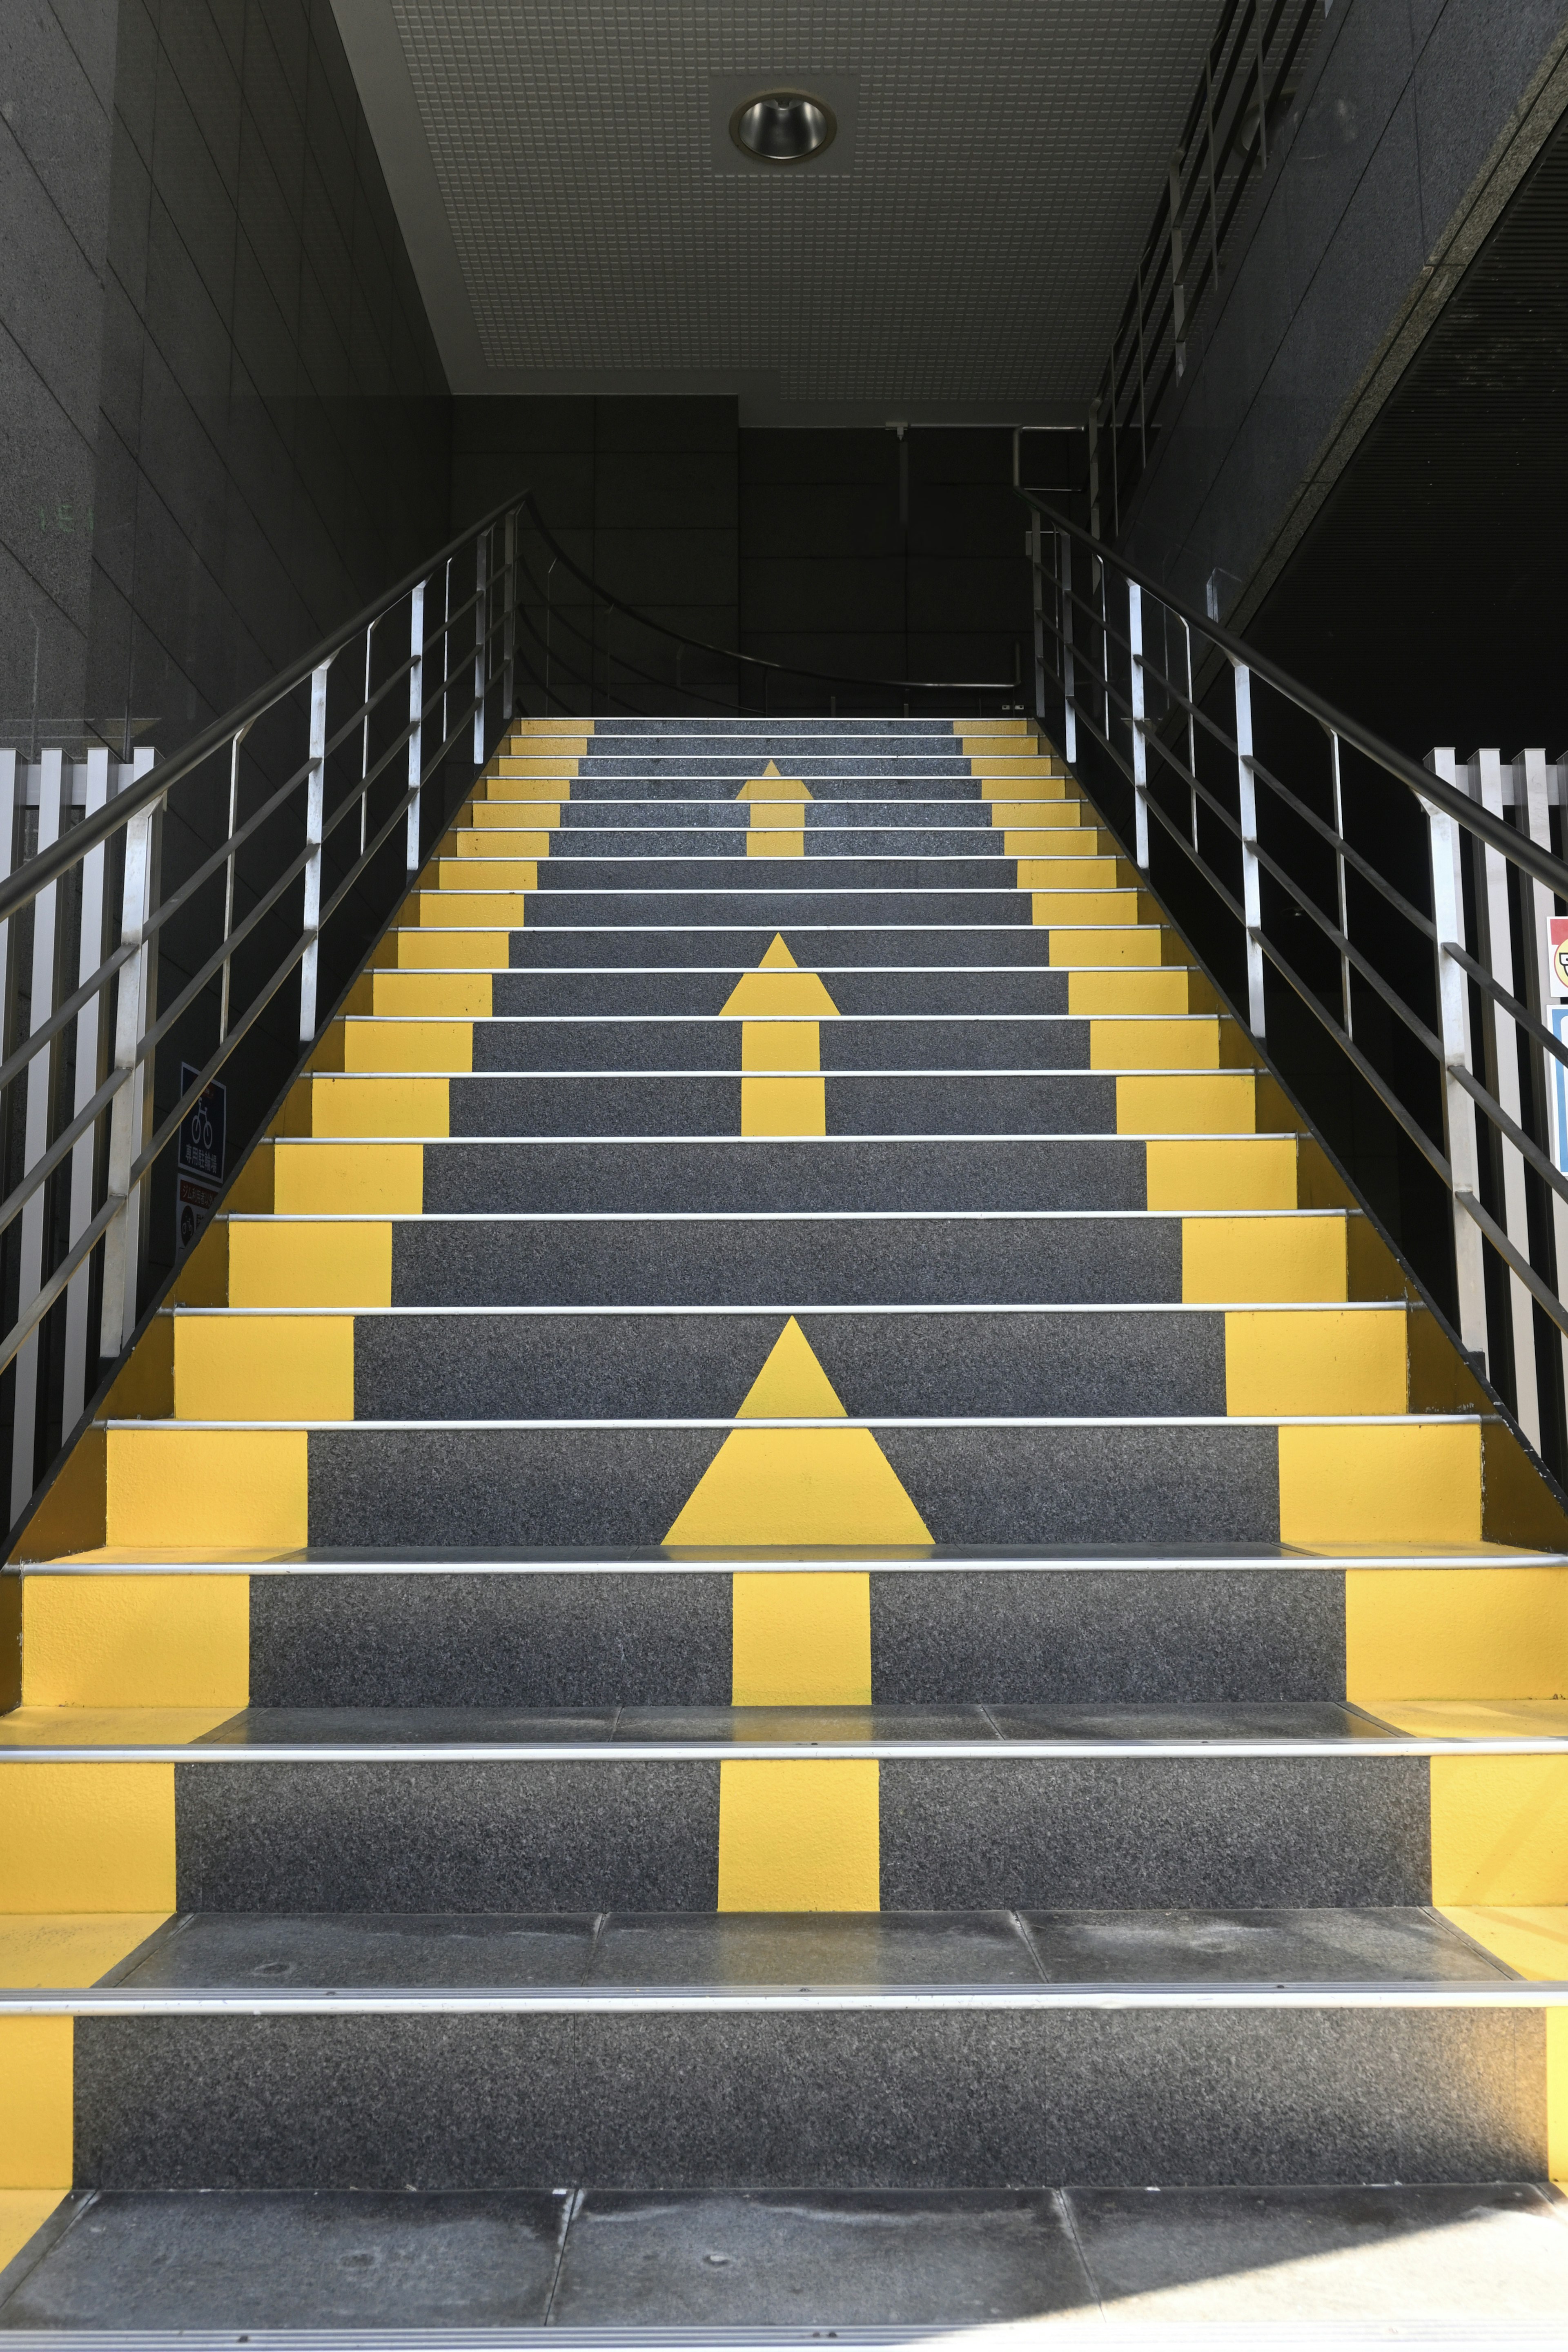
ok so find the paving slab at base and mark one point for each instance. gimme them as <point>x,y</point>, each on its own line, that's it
<point>1486,2259</point>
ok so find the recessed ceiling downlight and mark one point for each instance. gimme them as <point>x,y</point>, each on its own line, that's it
<point>783,126</point>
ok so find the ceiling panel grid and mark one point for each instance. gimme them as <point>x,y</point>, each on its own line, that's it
<point>1007,157</point>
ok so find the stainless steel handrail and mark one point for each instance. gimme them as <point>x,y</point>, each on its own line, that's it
<point>451,693</point>
<point>1475,1001</point>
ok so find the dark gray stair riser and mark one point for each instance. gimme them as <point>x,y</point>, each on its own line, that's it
<point>765,900</point>
<point>532,1366</point>
<point>1162,1483</point>
<point>915,785</point>
<point>682,843</point>
<point>970,1102</point>
<point>734,768</point>
<point>957,1834</point>
<point>664,1638</point>
<point>772,877</point>
<point>741,937</point>
<point>539,994</point>
<point>944,1042</point>
<point>753,1173</point>
<point>944,808</point>
<point>791,1261</point>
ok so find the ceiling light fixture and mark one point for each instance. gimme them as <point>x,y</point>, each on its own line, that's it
<point>783,126</point>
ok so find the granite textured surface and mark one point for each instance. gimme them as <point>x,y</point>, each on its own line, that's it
<point>828,2099</point>
<point>767,898</point>
<point>1237,1833</point>
<point>734,1172</point>
<point>755,1260</point>
<point>453,1640</point>
<point>541,1836</point>
<point>1122,1633</point>
<point>562,1365</point>
<point>742,933</point>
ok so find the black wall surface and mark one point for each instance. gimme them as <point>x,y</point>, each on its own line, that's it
<point>641,495</point>
<point>273,442</point>
<point>875,557</point>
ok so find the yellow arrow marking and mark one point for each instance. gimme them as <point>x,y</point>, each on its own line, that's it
<point>771,833</point>
<point>779,1007</point>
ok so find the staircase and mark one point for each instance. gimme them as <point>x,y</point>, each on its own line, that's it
<point>793,1598</point>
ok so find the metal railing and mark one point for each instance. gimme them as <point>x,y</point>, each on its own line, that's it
<point>1407,910</point>
<point>159,915</point>
<point>639,664</point>
<point>1251,71</point>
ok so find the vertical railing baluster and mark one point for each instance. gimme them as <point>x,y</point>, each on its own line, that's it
<point>315,794</point>
<point>1191,734</point>
<point>1251,881</point>
<point>90,1074</point>
<point>1347,1008</point>
<point>416,721</point>
<point>1499,1042</point>
<point>481,641</point>
<point>36,1142</point>
<point>1036,575</point>
<point>509,635</point>
<point>1458,1110</point>
<point>1532,798</point>
<point>133,1016</point>
<point>1070,687</point>
<point>365,744</point>
<point>1140,741</point>
<point>228,877</point>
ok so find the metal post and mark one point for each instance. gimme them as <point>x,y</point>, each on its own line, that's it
<point>1251,880</point>
<point>1070,687</point>
<point>1499,1049</point>
<point>1094,470</point>
<point>1191,734</point>
<point>1458,1110</point>
<point>481,641</point>
<point>508,625</point>
<point>228,877</point>
<point>415,720</point>
<point>364,745</point>
<point>1178,286</point>
<point>1140,745</point>
<point>40,1091</point>
<point>1036,573</point>
<point>133,1016</point>
<point>89,1075</point>
<point>1534,802</point>
<point>1346,1001</point>
<point>315,787</point>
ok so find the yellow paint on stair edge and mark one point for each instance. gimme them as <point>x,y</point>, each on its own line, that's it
<point>177,1485</point>
<point>87,1837</point>
<point>1338,1361</point>
<point>1401,1482</point>
<point>1456,1633</point>
<point>264,1367</point>
<point>22,2213</point>
<point>303,1262</point>
<point>1500,1829</point>
<point>1532,1939</point>
<point>801,1639</point>
<point>801,1836</point>
<point>36,2095</point>
<point>346,1179</point>
<point>136,1640</point>
<point>1239,1261</point>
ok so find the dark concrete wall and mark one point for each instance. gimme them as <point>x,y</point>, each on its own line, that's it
<point>1417,121</point>
<point>272,447</point>
<point>642,496</point>
<point>56,95</point>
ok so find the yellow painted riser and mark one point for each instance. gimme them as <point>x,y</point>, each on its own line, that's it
<point>524,839</point>
<point>488,872</point>
<point>467,909</point>
<point>1051,818</point>
<point>301,1176</point>
<point>438,995</point>
<point>261,1366</point>
<point>170,1483</point>
<point>1189,1102</point>
<point>1075,942</point>
<point>1056,906</point>
<point>409,949</point>
<point>504,811</point>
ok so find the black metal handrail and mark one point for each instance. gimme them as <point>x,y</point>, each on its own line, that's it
<point>1480,990</point>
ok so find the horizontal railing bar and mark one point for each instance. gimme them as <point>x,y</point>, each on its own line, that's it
<point>23,886</point>
<point>1347,947</point>
<point>1525,1145</point>
<point>1542,1292</point>
<point>1517,846</point>
<point>1374,1076</point>
<point>1510,1005</point>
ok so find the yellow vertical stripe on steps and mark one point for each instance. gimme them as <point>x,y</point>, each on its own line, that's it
<point>779,1009</point>
<point>799,1835</point>
<point>771,833</point>
<point>136,1640</point>
<point>1532,1939</point>
<point>36,2054</point>
<point>24,2211</point>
